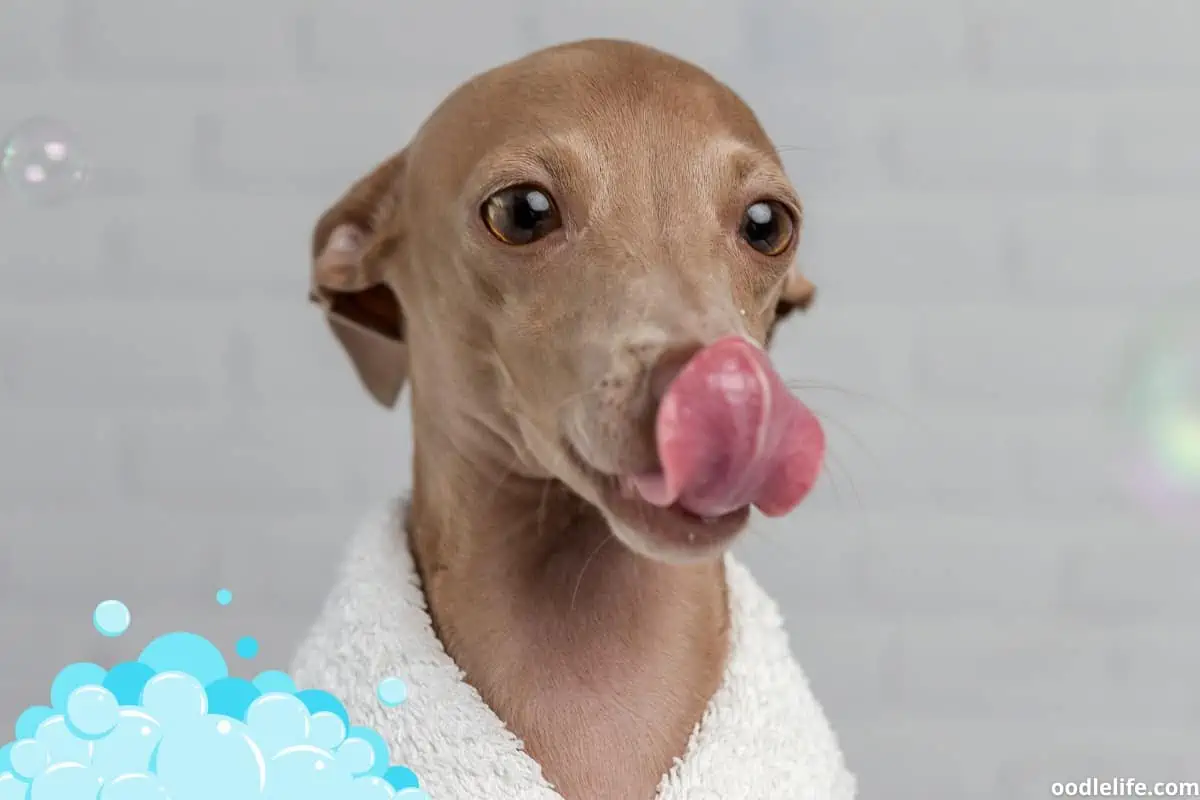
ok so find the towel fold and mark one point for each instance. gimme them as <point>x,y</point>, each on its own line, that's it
<point>763,736</point>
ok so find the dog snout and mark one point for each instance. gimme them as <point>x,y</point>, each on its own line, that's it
<point>663,370</point>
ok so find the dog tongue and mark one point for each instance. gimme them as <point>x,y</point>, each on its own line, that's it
<point>730,435</point>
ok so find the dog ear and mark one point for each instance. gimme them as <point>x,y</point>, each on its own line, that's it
<point>352,245</point>
<point>797,295</point>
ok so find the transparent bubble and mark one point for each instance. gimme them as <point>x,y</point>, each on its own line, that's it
<point>61,742</point>
<point>185,759</point>
<point>65,780</point>
<point>111,618</point>
<point>174,697</point>
<point>130,746</point>
<point>134,786</point>
<point>277,721</point>
<point>327,731</point>
<point>30,719</point>
<point>71,678</point>
<point>224,597</point>
<point>43,162</point>
<point>392,692</point>
<point>306,771</point>
<point>92,711</point>
<point>1160,409</point>
<point>357,756</point>
<point>29,758</point>
<point>186,652</point>
<point>379,762</point>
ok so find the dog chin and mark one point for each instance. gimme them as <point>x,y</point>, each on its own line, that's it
<point>670,535</point>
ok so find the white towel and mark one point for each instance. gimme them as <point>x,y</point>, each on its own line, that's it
<point>763,736</point>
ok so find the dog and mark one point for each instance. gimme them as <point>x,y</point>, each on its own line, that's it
<point>576,265</point>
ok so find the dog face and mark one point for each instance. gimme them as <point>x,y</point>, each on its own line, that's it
<point>547,256</point>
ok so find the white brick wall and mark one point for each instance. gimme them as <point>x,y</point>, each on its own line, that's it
<point>997,194</point>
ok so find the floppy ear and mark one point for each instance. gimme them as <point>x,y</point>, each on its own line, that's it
<point>352,244</point>
<point>798,295</point>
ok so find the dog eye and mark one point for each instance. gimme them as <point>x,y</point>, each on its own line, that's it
<point>768,227</point>
<point>521,214</point>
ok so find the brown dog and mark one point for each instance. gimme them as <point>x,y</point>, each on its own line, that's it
<point>573,265</point>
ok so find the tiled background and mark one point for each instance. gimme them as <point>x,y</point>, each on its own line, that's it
<point>998,192</point>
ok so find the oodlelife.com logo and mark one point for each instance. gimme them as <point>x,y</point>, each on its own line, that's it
<point>174,725</point>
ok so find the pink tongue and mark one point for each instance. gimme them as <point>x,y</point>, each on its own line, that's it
<point>731,435</point>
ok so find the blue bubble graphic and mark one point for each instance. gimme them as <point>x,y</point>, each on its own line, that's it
<point>71,678</point>
<point>356,756</point>
<point>29,758</point>
<point>174,725</point>
<point>402,778</point>
<point>12,787</point>
<point>91,711</point>
<point>130,747</point>
<point>174,698</point>
<point>224,597</point>
<point>27,723</point>
<point>126,681</point>
<point>392,692</point>
<point>277,721</point>
<point>273,680</point>
<point>247,647</point>
<point>134,786</point>
<point>186,652</point>
<point>316,701</point>
<point>61,743</point>
<point>326,731</point>
<point>308,772</point>
<point>65,781</point>
<point>185,760</point>
<point>231,697</point>
<point>379,763</point>
<point>111,618</point>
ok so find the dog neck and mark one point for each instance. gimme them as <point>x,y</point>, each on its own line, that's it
<point>600,660</point>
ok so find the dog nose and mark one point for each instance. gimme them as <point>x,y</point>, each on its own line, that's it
<point>667,367</point>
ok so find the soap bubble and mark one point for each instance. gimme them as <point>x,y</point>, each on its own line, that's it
<point>231,697</point>
<point>71,678</point>
<point>91,711</point>
<point>392,692</point>
<point>65,781</point>
<point>42,161</point>
<point>129,747</point>
<point>278,720</point>
<point>30,719</point>
<point>186,652</point>
<point>327,730</point>
<point>61,742</point>
<point>379,761</point>
<point>274,681</point>
<point>1161,417</point>
<point>111,618</point>
<point>29,758</point>
<point>224,597</point>
<point>306,771</point>
<point>126,681</point>
<point>402,778</point>
<point>356,756</point>
<point>174,697</point>
<point>186,758</point>
<point>247,647</point>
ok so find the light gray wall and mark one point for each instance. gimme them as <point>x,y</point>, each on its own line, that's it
<point>997,192</point>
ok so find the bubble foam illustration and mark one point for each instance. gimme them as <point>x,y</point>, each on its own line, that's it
<point>175,725</point>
